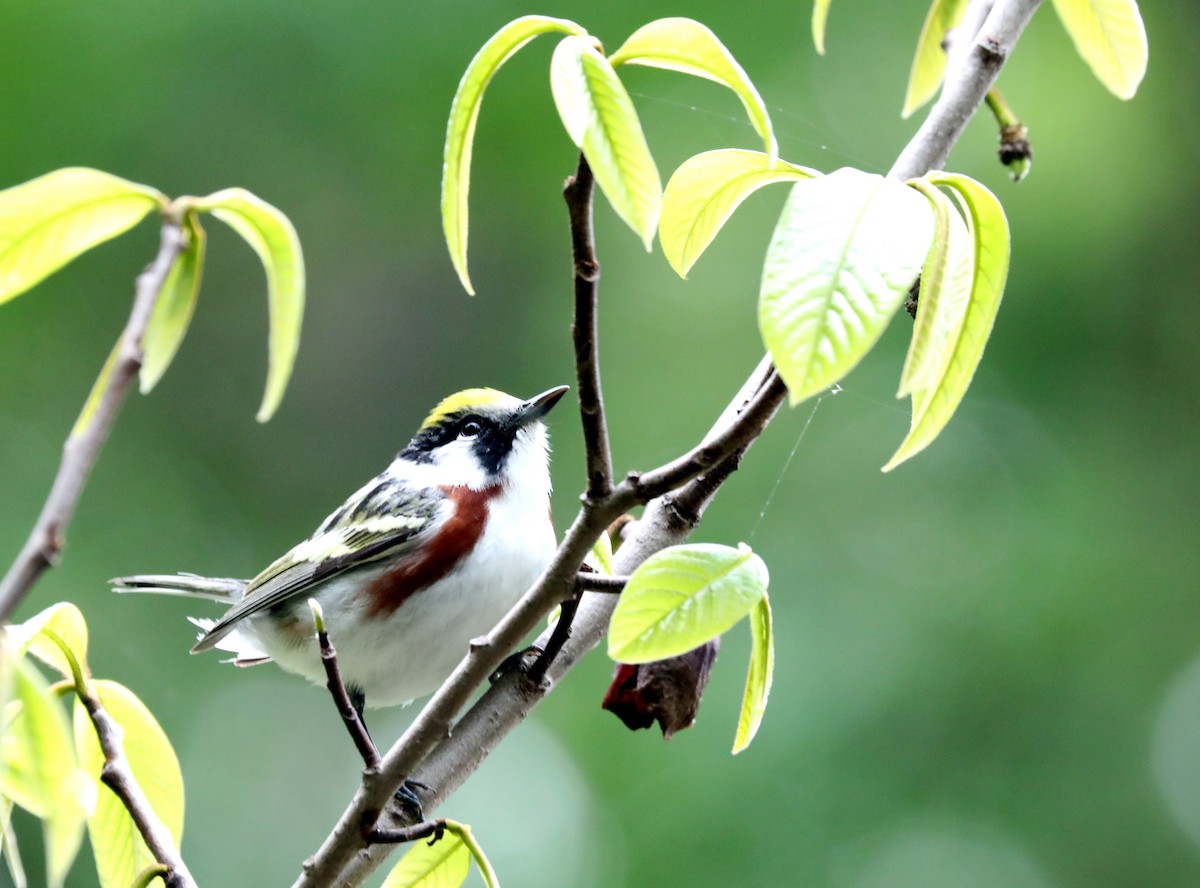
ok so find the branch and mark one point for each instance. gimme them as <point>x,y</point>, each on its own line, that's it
<point>578,194</point>
<point>350,713</point>
<point>47,538</point>
<point>669,519</point>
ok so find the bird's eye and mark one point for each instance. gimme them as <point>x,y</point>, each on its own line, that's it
<point>470,429</point>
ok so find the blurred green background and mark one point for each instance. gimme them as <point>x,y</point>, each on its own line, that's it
<point>989,662</point>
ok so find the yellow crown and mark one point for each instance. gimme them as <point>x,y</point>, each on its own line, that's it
<point>467,399</point>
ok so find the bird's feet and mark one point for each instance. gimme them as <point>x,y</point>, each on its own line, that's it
<point>409,800</point>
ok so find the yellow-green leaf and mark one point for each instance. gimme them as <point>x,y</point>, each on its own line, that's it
<point>945,292</point>
<point>681,597</point>
<point>705,191</point>
<point>8,846</point>
<point>117,845</point>
<point>600,118</point>
<point>844,254</point>
<point>174,307</point>
<point>929,63</point>
<point>38,770</point>
<point>462,831</point>
<point>601,557</point>
<point>96,395</point>
<point>820,15</point>
<point>272,236</point>
<point>48,221</point>
<point>63,619</point>
<point>460,130</point>
<point>686,46</point>
<point>1110,36</point>
<point>444,864</point>
<point>933,407</point>
<point>759,675</point>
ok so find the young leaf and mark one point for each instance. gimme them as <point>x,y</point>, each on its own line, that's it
<point>1110,36</point>
<point>681,597</point>
<point>117,845</point>
<point>819,16</point>
<point>758,677</point>
<point>460,130</point>
<point>945,292</point>
<point>8,846</point>
<point>48,221</point>
<point>96,395</point>
<point>686,46</point>
<point>173,310</point>
<point>929,64</point>
<point>444,864</point>
<point>964,348</point>
<point>600,118</point>
<point>600,559</point>
<point>844,254</point>
<point>705,191</point>
<point>272,236</point>
<point>38,770</point>
<point>463,832</point>
<point>63,619</point>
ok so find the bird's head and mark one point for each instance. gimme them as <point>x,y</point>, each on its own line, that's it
<point>482,437</point>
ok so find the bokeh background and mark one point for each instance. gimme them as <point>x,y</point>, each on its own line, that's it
<point>989,660</point>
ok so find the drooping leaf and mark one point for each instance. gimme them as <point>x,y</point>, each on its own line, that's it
<point>759,675</point>
<point>1110,36</point>
<point>117,845</point>
<point>964,348</point>
<point>39,770</point>
<point>8,846</point>
<point>820,15</point>
<point>600,118</point>
<point>173,311</point>
<point>681,597</point>
<point>945,291</point>
<point>96,395</point>
<point>460,130</point>
<point>705,191</point>
<point>273,238</point>
<point>844,254</point>
<point>685,45</point>
<point>63,619</point>
<point>468,838</point>
<point>48,221</point>
<point>929,63</point>
<point>444,864</point>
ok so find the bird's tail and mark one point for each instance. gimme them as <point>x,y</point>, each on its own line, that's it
<point>223,589</point>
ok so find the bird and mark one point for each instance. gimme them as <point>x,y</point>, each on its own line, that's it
<point>420,560</point>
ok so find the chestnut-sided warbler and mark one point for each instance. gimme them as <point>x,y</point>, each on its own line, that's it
<point>424,557</point>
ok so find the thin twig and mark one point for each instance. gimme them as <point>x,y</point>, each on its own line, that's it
<point>578,193</point>
<point>558,637</point>
<point>423,830</point>
<point>345,706</point>
<point>593,582</point>
<point>507,702</point>
<point>47,538</point>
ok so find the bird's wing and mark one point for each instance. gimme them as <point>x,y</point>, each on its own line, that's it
<point>382,520</point>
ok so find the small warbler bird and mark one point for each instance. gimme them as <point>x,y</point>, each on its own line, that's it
<point>424,557</point>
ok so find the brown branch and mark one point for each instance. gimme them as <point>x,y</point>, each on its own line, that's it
<point>47,538</point>
<point>578,193</point>
<point>351,716</point>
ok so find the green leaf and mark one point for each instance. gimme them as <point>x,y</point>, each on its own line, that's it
<point>468,838</point>
<point>758,677</point>
<point>96,395</point>
<point>844,254</point>
<point>173,310</point>
<point>39,771</point>
<point>117,845</point>
<point>600,559</point>
<point>686,46</point>
<point>8,846</point>
<point>48,221</point>
<point>705,191</point>
<point>819,16</point>
<point>272,236</point>
<point>444,864</point>
<point>681,597</point>
<point>1110,36</point>
<point>63,619</point>
<point>929,64</point>
<point>460,130</point>
<point>945,293</point>
<point>988,226</point>
<point>600,118</point>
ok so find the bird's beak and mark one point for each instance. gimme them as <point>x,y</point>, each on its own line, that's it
<point>539,405</point>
